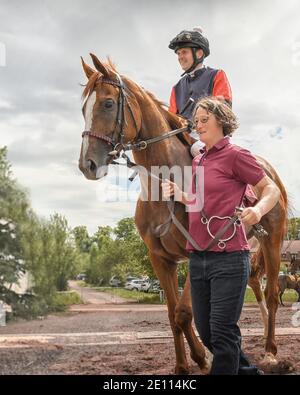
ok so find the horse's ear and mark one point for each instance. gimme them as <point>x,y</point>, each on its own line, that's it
<point>99,66</point>
<point>87,69</point>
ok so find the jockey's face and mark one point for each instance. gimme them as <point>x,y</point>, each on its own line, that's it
<point>185,57</point>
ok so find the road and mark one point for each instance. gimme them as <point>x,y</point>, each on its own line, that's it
<point>90,296</point>
<point>111,335</point>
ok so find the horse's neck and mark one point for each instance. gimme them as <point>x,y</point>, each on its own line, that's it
<point>168,152</point>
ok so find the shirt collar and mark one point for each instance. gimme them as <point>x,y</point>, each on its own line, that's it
<point>197,70</point>
<point>217,147</point>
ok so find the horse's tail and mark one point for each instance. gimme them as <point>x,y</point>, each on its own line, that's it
<point>285,203</point>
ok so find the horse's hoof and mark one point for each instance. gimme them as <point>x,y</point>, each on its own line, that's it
<point>208,362</point>
<point>269,360</point>
<point>271,365</point>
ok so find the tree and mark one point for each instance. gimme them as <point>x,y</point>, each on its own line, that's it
<point>82,239</point>
<point>47,249</point>
<point>63,255</point>
<point>51,256</point>
<point>14,209</point>
<point>103,236</point>
<point>294,229</point>
<point>94,271</point>
<point>126,229</point>
<point>137,260</point>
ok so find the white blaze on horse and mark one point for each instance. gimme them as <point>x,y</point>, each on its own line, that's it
<point>120,115</point>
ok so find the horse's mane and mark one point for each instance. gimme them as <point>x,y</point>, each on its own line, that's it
<point>173,120</point>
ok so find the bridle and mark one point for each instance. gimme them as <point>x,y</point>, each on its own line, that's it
<point>120,120</point>
<point>117,139</point>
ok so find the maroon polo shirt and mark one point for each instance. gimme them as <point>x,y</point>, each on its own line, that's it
<point>227,170</point>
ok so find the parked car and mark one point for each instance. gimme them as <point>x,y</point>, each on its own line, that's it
<point>134,285</point>
<point>154,287</point>
<point>145,286</point>
<point>115,282</point>
<point>81,276</point>
<point>130,278</point>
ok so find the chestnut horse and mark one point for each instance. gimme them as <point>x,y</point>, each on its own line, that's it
<point>288,281</point>
<point>119,112</point>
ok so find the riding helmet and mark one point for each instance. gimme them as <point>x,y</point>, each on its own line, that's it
<point>191,38</point>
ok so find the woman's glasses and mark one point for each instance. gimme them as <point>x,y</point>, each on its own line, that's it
<point>200,120</point>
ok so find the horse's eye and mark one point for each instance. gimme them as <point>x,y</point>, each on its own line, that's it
<point>108,103</point>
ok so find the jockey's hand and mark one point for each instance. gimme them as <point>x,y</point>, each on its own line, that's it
<point>251,216</point>
<point>169,189</point>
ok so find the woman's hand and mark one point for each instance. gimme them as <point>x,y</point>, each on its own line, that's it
<point>269,195</point>
<point>169,189</point>
<point>251,216</point>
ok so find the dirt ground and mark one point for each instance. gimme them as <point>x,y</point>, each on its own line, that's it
<point>122,339</point>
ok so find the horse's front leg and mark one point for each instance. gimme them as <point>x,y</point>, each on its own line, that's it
<point>183,318</point>
<point>167,275</point>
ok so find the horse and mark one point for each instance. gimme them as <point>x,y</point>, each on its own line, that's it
<point>288,281</point>
<point>119,114</point>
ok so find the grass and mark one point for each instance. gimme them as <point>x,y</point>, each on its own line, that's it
<point>62,300</point>
<point>153,298</point>
<point>142,297</point>
<point>289,296</point>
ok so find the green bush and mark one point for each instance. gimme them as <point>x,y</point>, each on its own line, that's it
<point>62,300</point>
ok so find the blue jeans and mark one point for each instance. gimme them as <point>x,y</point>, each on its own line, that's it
<point>218,285</point>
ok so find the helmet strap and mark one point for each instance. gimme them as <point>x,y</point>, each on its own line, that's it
<point>196,61</point>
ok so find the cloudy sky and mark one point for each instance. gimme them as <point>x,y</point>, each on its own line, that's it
<point>257,44</point>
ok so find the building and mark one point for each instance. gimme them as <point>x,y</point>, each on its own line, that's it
<point>290,248</point>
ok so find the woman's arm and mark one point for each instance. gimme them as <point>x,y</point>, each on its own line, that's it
<point>269,196</point>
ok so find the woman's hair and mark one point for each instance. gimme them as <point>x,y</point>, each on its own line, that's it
<point>221,110</point>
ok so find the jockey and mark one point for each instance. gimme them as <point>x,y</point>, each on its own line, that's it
<point>197,81</point>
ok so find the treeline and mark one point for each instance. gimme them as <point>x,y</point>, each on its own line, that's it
<point>52,253</point>
<point>117,251</point>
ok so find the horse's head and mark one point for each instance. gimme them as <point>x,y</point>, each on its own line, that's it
<point>112,118</point>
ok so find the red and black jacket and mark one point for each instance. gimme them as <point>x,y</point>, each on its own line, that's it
<point>203,82</point>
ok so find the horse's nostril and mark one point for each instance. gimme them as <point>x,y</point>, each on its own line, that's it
<point>92,165</point>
